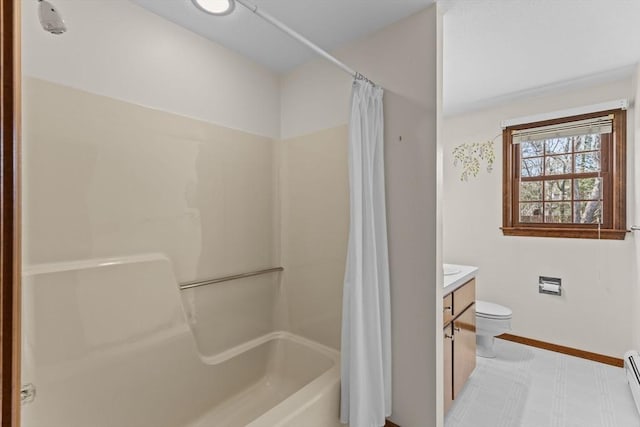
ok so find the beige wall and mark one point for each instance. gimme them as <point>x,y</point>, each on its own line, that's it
<point>315,230</point>
<point>595,311</point>
<point>315,105</point>
<point>106,178</point>
<point>313,97</point>
<point>118,49</point>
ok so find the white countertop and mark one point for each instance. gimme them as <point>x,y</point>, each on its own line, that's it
<point>463,273</point>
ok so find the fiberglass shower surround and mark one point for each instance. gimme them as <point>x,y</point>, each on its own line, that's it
<point>366,335</point>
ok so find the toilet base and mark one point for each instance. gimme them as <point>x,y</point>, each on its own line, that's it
<point>484,346</point>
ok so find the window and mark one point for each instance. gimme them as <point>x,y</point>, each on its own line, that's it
<point>566,177</point>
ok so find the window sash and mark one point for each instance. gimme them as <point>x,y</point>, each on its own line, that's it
<point>605,183</point>
<point>606,144</point>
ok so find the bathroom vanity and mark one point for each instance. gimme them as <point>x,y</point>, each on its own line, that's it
<point>459,323</point>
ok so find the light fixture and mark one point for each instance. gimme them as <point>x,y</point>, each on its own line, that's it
<point>215,7</point>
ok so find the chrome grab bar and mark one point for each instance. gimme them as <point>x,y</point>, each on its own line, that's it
<point>191,285</point>
<point>635,228</point>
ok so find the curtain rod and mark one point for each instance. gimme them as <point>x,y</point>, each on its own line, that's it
<point>299,37</point>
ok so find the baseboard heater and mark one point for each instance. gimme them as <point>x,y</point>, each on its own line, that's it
<point>631,365</point>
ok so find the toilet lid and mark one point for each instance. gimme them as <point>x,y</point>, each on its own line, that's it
<point>492,310</point>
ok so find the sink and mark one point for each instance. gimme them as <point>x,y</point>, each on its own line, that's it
<point>450,270</point>
<point>456,275</point>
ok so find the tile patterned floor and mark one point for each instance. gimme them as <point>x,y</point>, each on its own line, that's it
<point>529,387</point>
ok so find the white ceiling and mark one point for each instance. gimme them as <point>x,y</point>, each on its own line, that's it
<point>328,23</point>
<point>496,49</point>
<point>493,49</point>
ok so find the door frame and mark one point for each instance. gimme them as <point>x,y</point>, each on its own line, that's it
<point>10,212</point>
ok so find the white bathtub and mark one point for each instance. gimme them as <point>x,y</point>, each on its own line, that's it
<point>101,352</point>
<point>299,381</point>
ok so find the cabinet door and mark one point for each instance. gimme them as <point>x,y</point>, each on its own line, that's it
<point>447,309</point>
<point>447,344</point>
<point>464,348</point>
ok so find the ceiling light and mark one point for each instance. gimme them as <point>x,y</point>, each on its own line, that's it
<point>215,7</point>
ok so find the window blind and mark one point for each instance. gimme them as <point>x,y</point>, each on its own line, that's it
<point>598,125</point>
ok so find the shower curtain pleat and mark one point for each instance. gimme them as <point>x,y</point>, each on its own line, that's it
<point>366,324</point>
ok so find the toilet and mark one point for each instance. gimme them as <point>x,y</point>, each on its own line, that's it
<point>491,320</point>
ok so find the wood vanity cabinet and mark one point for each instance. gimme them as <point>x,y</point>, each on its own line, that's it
<point>459,339</point>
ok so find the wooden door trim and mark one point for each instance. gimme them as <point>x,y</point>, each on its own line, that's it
<point>10,213</point>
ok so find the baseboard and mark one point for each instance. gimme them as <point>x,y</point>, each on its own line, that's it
<point>390,424</point>
<point>608,360</point>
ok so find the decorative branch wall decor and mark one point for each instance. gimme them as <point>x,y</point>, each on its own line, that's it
<point>469,156</point>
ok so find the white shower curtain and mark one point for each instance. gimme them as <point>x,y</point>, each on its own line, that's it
<point>366,329</point>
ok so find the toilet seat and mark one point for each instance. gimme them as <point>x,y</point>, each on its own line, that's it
<point>490,310</point>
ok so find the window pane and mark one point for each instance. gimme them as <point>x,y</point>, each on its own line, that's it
<point>588,162</point>
<point>557,190</point>
<point>587,188</point>
<point>558,145</point>
<point>532,167</point>
<point>557,212</point>
<point>530,212</point>
<point>588,212</point>
<point>532,149</point>
<point>531,191</point>
<point>557,165</point>
<point>587,142</point>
